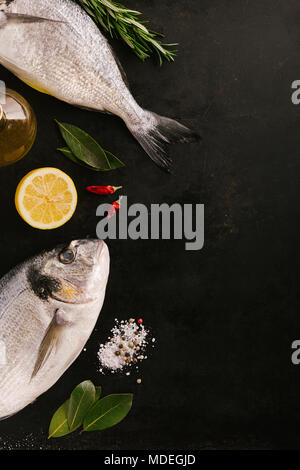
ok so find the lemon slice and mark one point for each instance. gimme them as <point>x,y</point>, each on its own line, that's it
<point>46,198</point>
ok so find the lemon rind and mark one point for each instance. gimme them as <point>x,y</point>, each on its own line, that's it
<point>20,192</point>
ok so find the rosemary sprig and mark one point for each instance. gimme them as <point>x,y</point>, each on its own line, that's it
<point>120,22</point>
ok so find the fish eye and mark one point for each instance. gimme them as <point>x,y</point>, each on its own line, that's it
<point>67,256</point>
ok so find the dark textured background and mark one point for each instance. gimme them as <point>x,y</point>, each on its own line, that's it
<point>224,317</point>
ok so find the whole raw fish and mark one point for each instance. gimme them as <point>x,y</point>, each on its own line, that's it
<point>55,47</point>
<point>48,308</point>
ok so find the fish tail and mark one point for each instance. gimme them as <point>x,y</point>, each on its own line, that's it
<point>6,18</point>
<point>155,132</point>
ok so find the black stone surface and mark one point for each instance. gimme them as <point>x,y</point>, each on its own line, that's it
<point>224,317</point>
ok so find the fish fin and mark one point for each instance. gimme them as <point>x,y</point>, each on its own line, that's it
<point>120,66</point>
<point>22,74</point>
<point>8,18</point>
<point>36,87</point>
<point>8,416</point>
<point>67,292</point>
<point>86,108</point>
<point>50,340</point>
<point>154,132</point>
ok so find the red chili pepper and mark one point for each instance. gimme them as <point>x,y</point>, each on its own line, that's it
<point>114,208</point>
<point>103,189</point>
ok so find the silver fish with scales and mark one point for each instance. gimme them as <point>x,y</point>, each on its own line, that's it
<point>55,47</point>
<point>49,306</point>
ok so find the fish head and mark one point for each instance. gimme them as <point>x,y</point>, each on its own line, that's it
<point>71,282</point>
<point>75,273</point>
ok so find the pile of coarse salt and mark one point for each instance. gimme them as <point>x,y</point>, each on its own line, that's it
<point>126,346</point>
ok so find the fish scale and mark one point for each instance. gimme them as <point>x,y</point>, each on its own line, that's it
<point>19,322</point>
<point>77,57</point>
<point>27,318</point>
<point>59,50</point>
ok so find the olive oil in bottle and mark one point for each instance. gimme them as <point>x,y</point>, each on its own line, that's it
<point>17,127</point>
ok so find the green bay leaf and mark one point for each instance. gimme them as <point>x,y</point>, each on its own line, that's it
<point>98,392</point>
<point>67,153</point>
<point>59,423</point>
<point>83,146</point>
<point>83,149</point>
<point>82,398</point>
<point>107,412</point>
<point>114,162</point>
